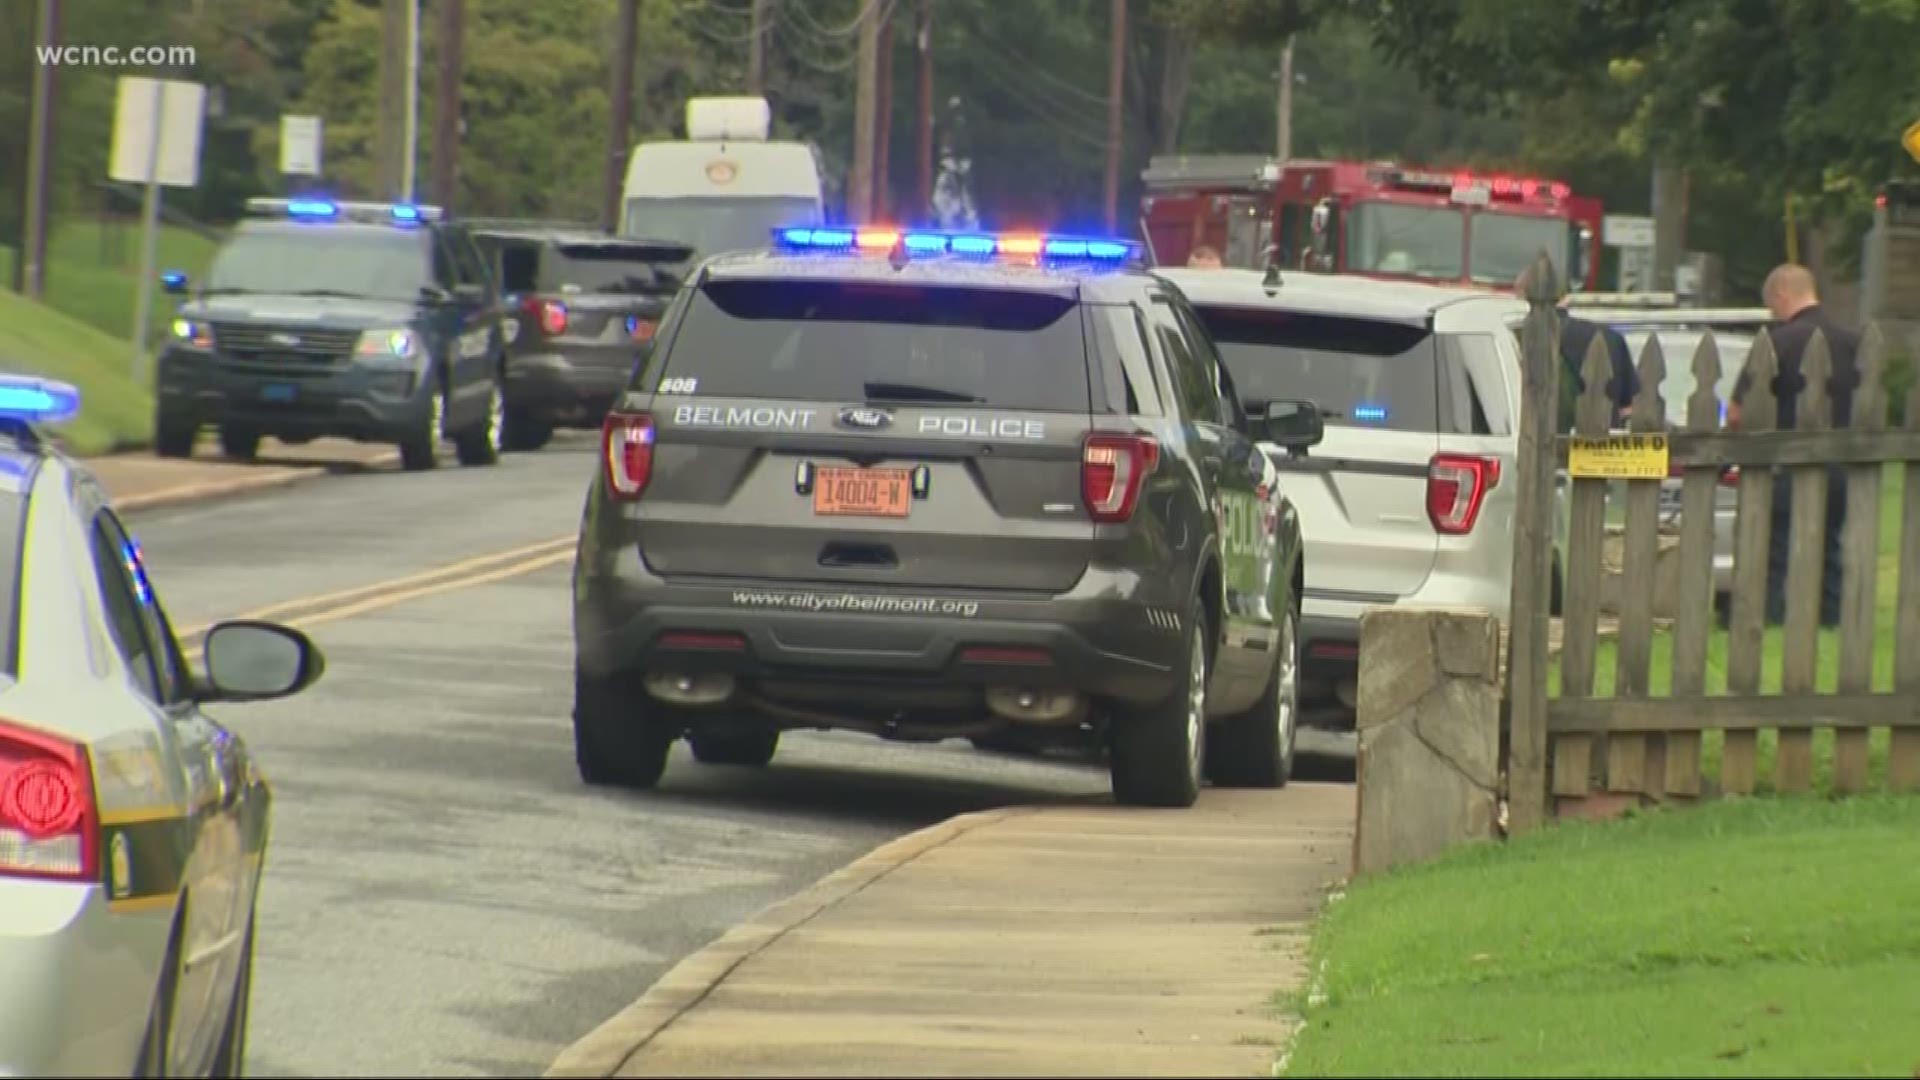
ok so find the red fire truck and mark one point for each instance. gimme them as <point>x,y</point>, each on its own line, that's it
<point>1379,219</point>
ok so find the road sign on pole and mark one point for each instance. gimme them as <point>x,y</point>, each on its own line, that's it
<point>1910,139</point>
<point>300,145</point>
<point>156,142</point>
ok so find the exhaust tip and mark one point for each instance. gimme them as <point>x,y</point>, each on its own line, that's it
<point>1031,706</point>
<point>678,688</point>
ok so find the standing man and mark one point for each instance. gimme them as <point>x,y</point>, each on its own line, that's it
<point>1790,295</point>
<point>1576,337</point>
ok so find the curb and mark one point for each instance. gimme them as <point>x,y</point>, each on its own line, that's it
<point>263,480</point>
<point>606,1049</point>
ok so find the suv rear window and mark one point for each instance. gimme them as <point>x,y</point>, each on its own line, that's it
<point>626,269</point>
<point>1363,372</point>
<point>836,341</point>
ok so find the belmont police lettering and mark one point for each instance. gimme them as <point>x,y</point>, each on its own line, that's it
<point>733,416</point>
<point>984,427</point>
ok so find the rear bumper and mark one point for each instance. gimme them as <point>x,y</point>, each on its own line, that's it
<point>1108,637</point>
<point>355,400</point>
<point>554,388</point>
<point>76,979</point>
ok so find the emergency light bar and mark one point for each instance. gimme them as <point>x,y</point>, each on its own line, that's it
<point>1498,186</point>
<point>25,399</point>
<point>974,245</point>
<point>329,210</point>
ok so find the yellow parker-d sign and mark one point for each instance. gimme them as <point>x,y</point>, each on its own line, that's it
<point>1619,457</point>
<point>1910,139</point>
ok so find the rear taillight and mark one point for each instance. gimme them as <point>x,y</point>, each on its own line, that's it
<point>48,824</point>
<point>1457,486</point>
<point>1113,468</point>
<point>551,313</point>
<point>626,450</point>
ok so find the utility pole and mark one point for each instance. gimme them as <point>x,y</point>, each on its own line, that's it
<point>620,128</point>
<point>866,68</point>
<point>446,104</point>
<point>1283,134</point>
<point>411,163</point>
<point>883,125</point>
<point>392,125</point>
<point>30,269</point>
<point>1116,86</point>
<point>1669,222</point>
<point>923,40</point>
<point>757,49</point>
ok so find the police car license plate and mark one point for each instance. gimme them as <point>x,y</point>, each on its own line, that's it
<point>862,492</point>
<point>279,392</point>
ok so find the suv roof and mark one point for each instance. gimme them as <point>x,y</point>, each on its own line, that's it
<point>1065,279</point>
<point>1326,294</point>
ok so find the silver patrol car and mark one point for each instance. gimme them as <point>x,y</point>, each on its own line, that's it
<point>132,825</point>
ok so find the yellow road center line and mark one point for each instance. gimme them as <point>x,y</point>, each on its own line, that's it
<point>401,596</point>
<point>381,588</point>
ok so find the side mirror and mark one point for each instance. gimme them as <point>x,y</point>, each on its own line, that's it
<point>174,282</point>
<point>256,661</point>
<point>1294,426</point>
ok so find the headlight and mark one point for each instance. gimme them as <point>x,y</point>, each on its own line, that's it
<point>398,342</point>
<point>199,335</point>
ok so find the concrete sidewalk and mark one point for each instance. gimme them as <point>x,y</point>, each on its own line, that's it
<point>1061,941</point>
<point>143,481</point>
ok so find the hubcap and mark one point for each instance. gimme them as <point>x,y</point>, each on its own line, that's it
<point>1196,700</point>
<point>496,418</point>
<point>1289,679</point>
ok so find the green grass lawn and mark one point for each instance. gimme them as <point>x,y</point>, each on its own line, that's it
<point>115,412</point>
<point>1660,675</point>
<point>92,272</point>
<point>1750,937</point>
<point>82,334</point>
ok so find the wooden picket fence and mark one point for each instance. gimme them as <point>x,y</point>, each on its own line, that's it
<point>1647,743</point>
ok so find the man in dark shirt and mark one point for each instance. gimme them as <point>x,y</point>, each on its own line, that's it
<point>1576,337</point>
<point>1790,295</point>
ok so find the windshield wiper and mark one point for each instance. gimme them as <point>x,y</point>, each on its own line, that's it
<point>888,391</point>
<point>333,292</point>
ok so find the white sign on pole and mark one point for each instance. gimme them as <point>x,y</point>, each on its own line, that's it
<point>300,145</point>
<point>156,125</point>
<point>1626,231</point>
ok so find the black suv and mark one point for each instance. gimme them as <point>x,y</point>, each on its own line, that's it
<point>580,302</point>
<point>375,322</point>
<point>930,486</point>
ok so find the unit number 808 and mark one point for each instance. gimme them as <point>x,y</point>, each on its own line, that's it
<point>679,386</point>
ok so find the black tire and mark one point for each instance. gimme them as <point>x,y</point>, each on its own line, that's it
<point>1255,748</point>
<point>420,443</point>
<point>1158,750</point>
<point>753,749</point>
<point>525,432</point>
<point>479,443</point>
<point>239,444</point>
<point>230,1061</point>
<point>619,739</point>
<point>173,436</point>
<point>158,1039</point>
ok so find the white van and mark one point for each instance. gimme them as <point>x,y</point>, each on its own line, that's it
<point>727,186</point>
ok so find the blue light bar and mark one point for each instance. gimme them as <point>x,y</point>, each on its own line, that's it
<point>1370,413</point>
<point>1015,247</point>
<point>37,401</point>
<point>406,213</point>
<point>173,278</point>
<point>311,208</point>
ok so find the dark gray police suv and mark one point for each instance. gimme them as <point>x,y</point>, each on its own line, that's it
<point>376,322</point>
<point>928,486</point>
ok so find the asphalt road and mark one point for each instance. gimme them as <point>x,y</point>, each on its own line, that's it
<point>442,895</point>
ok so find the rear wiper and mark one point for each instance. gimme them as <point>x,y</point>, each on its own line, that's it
<point>333,292</point>
<point>887,391</point>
